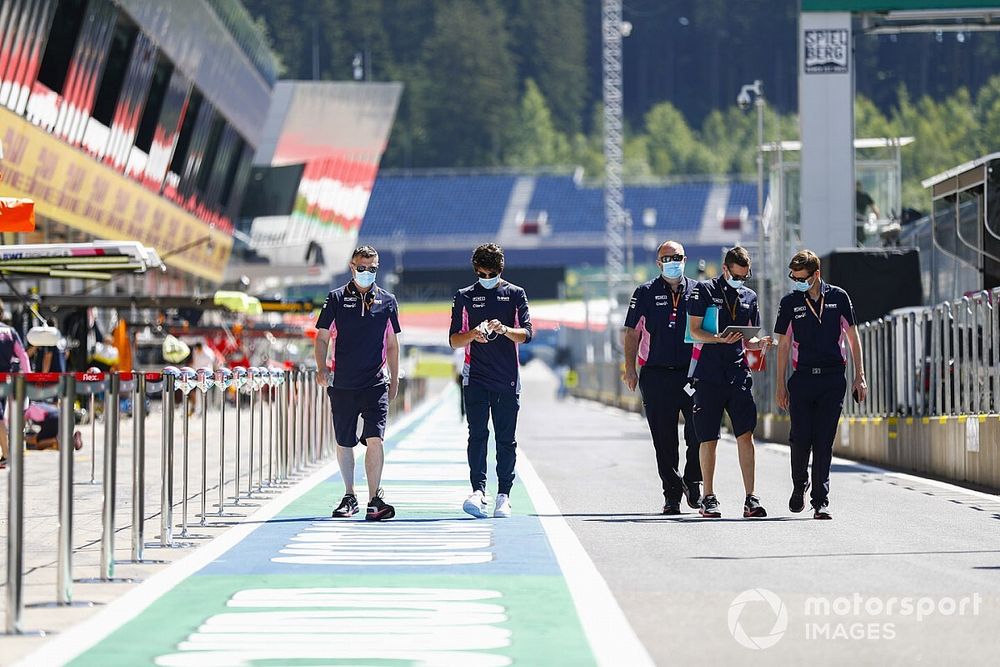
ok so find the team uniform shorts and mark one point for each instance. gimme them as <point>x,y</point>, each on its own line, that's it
<point>370,404</point>
<point>711,399</point>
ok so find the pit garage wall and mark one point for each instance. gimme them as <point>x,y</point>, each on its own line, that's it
<point>338,131</point>
<point>963,449</point>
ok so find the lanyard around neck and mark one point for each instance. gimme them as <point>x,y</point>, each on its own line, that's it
<point>732,308</point>
<point>812,309</point>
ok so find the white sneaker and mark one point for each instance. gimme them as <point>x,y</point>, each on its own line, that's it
<point>476,505</point>
<point>502,510</point>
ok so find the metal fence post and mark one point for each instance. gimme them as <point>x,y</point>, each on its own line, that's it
<point>64,575</point>
<point>138,466</point>
<point>110,476</point>
<point>15,510</point>
<point>167,462</point>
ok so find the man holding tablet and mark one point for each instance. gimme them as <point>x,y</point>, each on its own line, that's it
<point>722,379</point>
<point>813,322</point>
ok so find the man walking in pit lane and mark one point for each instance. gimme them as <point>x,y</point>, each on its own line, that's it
<point>362,319</point>
<point>722,378</point>
<point>814,320</point>
<point>654,333</point>
<point>489,319</point>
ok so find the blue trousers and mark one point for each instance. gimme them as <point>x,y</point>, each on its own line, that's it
<point>480,404</point>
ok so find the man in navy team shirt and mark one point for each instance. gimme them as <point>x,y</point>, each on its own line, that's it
<point>362,319</point>
<point>722,379</point>
<point>814,320</point>
<point>654,334</point>
<point>489,319</point>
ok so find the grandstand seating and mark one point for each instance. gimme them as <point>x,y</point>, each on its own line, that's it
<point>436,205</point>
<point>462,204</point>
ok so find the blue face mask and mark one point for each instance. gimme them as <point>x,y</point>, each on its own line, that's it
<point>366,279</point>
<point>735,284</point>
<point>673,270</point>
<point>489,283</point>
<point>800,287</point>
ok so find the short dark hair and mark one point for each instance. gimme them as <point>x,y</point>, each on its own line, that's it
<point>737,255</point>
<point>488,256</point>
<point>805,260</point>
<point>365,251</point>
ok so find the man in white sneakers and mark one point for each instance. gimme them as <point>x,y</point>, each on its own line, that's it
<point>489,319</point>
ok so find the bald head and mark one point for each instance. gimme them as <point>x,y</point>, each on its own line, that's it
<point>669,248</point>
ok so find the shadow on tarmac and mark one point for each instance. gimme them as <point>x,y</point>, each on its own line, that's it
<point>859,553</point>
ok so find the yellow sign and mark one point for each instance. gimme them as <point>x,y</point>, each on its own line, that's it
<point>76,190</point>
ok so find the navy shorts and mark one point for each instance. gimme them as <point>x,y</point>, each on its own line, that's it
<point>712,398</point>
<point>370,404</point>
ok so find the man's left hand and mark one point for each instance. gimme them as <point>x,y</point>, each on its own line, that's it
<point>393,389</point>
<point>860,387</point>
<point>497,327</point>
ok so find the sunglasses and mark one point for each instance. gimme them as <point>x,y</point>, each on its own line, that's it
<point>487,274</point>
<point>801,280</point>
<point>672,258</point>
<point>738,277</point>
<point>363,269</point>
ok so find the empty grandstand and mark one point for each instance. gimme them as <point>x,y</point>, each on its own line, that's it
<point>432,219</point>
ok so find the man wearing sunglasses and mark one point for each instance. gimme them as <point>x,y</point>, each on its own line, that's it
<point>722,378</point>
<point>489,319</point>
<point>362,319</point>
<point>654,334</point>
<point>814,320</point>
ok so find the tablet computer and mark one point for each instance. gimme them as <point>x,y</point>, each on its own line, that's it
<point>748,332</point>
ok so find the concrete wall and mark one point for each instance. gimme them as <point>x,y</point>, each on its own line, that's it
<point>962,449</point>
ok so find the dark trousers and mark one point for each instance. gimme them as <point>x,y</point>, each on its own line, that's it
<point>480,404</point>
<point>815,403</point>
<point>664,398</point>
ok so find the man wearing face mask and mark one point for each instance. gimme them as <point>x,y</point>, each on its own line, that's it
<point>362,319</point>
<point>722,379</point>
<point>813,322</point>
<point>489,319</point>
<point>654,333</point>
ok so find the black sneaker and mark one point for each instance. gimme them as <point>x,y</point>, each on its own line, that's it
<point>821,512</point>
<point>348,507</point>
<point>692,491</point>
<point>752,508</point>
<point>672,508</point>
<point>378,509</point>
<point>3,463</point>
<point>710,507</point>
<point>797,502</point>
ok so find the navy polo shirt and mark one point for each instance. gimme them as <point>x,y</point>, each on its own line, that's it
<point>359,325</point>
<point>659,314</point>
<point>493,365</point>
<point>722,362</point>
<point>817,327</point>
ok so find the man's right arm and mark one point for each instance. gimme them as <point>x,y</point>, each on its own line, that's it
<point>320,351</point>
<point>631,336</point>
<point>326,319</point>
<point>783,330</point>
<point>631,344</point>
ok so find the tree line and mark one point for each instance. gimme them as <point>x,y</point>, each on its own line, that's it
<point>517,82</point>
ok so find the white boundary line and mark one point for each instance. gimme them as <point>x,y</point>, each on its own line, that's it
<point>87,634</point>
<point>869,467</point>
<point>609,633</point>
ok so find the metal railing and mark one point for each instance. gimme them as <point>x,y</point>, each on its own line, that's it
<point>297,436</point>
<point>935,361</point>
